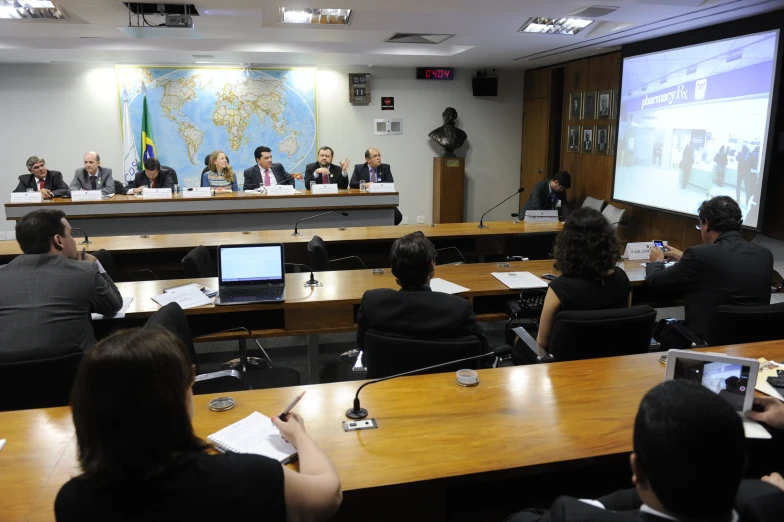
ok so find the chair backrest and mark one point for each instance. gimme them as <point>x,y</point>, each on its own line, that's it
<point>223,381</point>
<point>44,383</point>
<point>172,318</point>
<point>613,214</point>
<point>386,355</point>
<point>118,187</point>
<point>107,263</point>
<point>589,334</point>
<point>596,204</point>
<point>745,324</point>
<point>317,255</point>
<point>172,172</point>
<point>198,263</point>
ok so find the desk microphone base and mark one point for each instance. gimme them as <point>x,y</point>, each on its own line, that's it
<point>360,414</point>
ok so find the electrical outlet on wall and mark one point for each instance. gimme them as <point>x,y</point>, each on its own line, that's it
<point>420,219</point>
<point>404,221</point>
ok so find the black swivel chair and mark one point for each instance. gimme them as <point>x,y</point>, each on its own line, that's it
<point>590,334</point>
<point>198,263</point>
<point>737,325</point>
<point>319,258</point>
<point>105,257</point>
<point>44,383</point>
<point>119,188</point>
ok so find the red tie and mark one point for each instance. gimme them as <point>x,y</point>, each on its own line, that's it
<point>152,183</point>
<point>40,184</point>
<point>266,178</point>
<point>326,179</point>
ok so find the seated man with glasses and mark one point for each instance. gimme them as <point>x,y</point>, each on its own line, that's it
<point>726,270</point>
<point>373,171</point>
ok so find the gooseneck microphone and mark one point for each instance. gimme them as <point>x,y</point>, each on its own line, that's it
<point>310,282</point>
<point>482,219</point>
<point>357,412</point>
<point>86,237</point>
<point>344,214</point>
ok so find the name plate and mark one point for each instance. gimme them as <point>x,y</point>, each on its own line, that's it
<point>541,216</point>
<point>27,197</point>
<point>638,251</point>
<point>156,193</point>
<point>331,188</point>
<point>280,190</point>
<point>381,187</point>
<point>197,192</point>
<point>85,195</point>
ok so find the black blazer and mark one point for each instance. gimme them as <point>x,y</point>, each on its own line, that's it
<point>540,199</point>
<point>254,178</point>
<point>53,181</point>
<point>166,179</point>
<point>362,173</point>
<point>419,314</point>
<point>730,271</point>
<point>335,175</point>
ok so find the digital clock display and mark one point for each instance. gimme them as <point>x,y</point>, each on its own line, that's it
<point>435,73</point>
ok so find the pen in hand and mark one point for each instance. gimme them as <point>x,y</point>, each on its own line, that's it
<point>285,413</point>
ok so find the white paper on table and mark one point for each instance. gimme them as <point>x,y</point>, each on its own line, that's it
<point>519,280</point>
<point>442,285</point>
<point>119,315</point>
<point>754,430</point>
<point>381,187</point>
<point>183,288</point>
<point>189,298</point>
<point>768,369</point>
<point>27,197</point>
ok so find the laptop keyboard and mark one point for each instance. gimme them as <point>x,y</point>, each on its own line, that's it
<point>249,292</point>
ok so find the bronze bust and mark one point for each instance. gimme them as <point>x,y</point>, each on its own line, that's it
<point>448,135</point>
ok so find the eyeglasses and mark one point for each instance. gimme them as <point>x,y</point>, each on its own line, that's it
<point>376,156</point>
<point>699,225</point>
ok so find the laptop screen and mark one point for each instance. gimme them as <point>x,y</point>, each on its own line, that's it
<point>251,264</point>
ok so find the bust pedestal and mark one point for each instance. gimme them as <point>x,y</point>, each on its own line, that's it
<point>448,190</point>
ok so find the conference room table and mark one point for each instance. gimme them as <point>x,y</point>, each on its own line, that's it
<point>130,215</point>
<point>332,307</point>
<point>432,434</point>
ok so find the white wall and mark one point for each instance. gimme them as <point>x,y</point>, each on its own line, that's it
<point>61,111</point>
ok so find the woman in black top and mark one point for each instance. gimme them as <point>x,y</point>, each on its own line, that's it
<point>132,408</point>
<point>585,253</point>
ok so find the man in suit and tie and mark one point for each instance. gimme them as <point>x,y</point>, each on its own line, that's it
<point>93,176</point>
<point>688,461</point>
<point>153,176</point>
<point>372,171</point>
<point>550,194</point>
<point>48,182</point>
<point>50,291</point>
<point>324,172</point>
<point>415,311</point>
<point>265,173</point>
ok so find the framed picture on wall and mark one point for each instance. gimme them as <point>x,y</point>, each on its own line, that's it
<point>602,138</point>
<point>573,138</point>
<point>586,141</point>
<point>575,105</point>
<point>589,105</point>
<point>605,105</point>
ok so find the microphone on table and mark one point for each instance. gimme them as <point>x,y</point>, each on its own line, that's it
<point>357,412</point>
<point>344,214</point>
<point>310,282</point>
<point>623,221</point>
<point>86,237</point>
<point>481,220</point>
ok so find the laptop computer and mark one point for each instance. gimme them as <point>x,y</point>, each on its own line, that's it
<point>251,274</point>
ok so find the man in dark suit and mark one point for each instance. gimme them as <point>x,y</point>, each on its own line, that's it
<point>372,171</point>
<point>688,461</point>
<point>49,292</point>
<point>48,182</point>
<point>550,195</point>
<point>265,173</point>
<point>153,176</point>
<point>324,172</point>
<point>415,311</point>
<point>726,270</point>
<point>93,176</point>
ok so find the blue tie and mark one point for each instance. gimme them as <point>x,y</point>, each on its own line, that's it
<point>553,197</point>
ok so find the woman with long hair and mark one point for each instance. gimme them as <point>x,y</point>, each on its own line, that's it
<point>219,175</point>
<point>141,461</point>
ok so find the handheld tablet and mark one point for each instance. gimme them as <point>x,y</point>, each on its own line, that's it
<point>732,378</point>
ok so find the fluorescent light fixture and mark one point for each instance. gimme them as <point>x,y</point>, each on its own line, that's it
<point>555,25</point>
<point>307,15</point>
<point>30,10</point>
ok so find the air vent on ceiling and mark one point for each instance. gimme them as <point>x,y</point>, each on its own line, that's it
<point>594,11</point>
<point>418,38</point>
<point>151,9</point>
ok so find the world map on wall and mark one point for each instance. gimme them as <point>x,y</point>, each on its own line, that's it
<point>197,111</point>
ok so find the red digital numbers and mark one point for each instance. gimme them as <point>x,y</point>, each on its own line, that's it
<point>434,73</point>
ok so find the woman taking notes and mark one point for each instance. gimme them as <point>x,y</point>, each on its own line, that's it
<point>219,175</point>
<point>141,461</point>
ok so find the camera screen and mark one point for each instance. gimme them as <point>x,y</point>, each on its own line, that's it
<point>727,380</point>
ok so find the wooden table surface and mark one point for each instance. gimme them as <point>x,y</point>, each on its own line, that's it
<point>429,428</point>
<point>329,235</point>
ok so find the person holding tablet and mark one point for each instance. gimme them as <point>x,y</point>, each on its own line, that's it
<point>141,461</point>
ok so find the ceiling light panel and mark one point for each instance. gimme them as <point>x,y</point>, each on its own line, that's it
<point>555,25</point>
<point>311,16</point>
<point>30,10</point>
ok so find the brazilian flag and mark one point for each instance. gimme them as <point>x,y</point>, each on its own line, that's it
<point>148,144</point>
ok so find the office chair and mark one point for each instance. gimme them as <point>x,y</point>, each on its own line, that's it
<point>198,263</point>
<point>119,188</point>
<point>590,334</point>
<point>596,204</point>
<point>42,383</point>
<point>447,260</point>
<point>319,258</point>
<point>107,262</point>
<point>613,215</point>
<point>172,172</point>
<point>734,325</point>
<point>386,355</point>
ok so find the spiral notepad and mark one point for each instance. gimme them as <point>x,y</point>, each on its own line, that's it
<point>254,434</point>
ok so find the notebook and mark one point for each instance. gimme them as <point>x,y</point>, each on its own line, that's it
<point>255,434</point>
<point>519,280</point>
